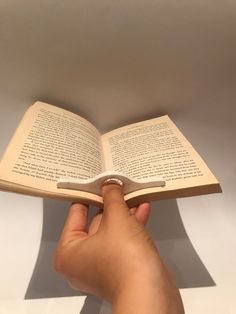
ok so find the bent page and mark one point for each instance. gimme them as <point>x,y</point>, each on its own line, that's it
<point>156,147</point>
<point>50,143</point>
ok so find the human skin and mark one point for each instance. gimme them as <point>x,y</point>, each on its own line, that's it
<point>115,258</point>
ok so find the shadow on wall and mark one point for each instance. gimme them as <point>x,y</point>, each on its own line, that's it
<point>166,228</point>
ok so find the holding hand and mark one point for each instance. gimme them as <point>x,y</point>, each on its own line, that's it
<point>115,258</point>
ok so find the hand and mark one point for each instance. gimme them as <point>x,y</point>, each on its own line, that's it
<point>115,258</point>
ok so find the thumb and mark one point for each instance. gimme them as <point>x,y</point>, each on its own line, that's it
<point>114,203</point>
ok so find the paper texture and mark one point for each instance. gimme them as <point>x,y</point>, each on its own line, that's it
<point>51,143</point>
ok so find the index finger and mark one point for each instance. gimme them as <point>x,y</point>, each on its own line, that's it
<point>75,226</point>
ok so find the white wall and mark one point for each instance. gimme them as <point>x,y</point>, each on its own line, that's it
<point>93,56</point>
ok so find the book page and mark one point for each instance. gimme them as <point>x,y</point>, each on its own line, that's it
<point>51,143</point>
<point>153,148</point>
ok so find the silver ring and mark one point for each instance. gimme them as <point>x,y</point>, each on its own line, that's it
<point>113,181</point>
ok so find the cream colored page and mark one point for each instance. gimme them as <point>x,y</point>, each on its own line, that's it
<point>155,148</point>
<point>51,143</point>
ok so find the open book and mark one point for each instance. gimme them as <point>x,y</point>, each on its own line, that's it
<point>51,143</point>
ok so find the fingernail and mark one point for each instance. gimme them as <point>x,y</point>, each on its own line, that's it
<point>115,181</point>
<point>133,210</point>
<point>106,186</point>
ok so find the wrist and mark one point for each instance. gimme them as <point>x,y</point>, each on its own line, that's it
<point>152,290</point>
